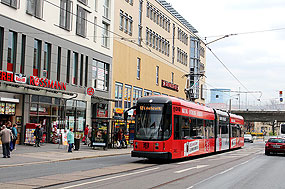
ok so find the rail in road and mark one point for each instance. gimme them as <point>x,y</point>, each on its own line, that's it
<point>180,174</point>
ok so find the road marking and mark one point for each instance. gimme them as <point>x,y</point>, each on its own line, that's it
<point>197,167</point>
<point>221,173</point>
<point>95,181</point>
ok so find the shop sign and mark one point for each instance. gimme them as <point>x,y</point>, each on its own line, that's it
<point>169,85</point>
<point>102,113</point>
<point>119,110</point>
<point>6,76</point>
<point>20,78</point>
<point>47,83</point>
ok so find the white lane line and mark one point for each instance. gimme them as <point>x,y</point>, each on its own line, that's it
<point>197,167</point>
<point>95,181</point>
<point>202,181</point>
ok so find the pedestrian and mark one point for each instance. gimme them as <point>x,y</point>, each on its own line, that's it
<point>89,136</point>
<point>39,135</point>
<point>5,135</point>
<point>120,137</point>
<point>105,139</point>
<point>86,134</point>
<point>70,139</point>
<point>8,125</point>
<point>15,135</point>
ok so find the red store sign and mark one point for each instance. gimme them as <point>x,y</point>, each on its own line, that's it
<point>169,85</point>
<point>6,76</point>
<point>46,83</point>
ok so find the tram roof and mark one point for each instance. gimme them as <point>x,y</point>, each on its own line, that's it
<point>161,99</point>
<point>238,119</point>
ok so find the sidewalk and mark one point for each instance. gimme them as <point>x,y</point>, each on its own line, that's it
<point>26,154</point>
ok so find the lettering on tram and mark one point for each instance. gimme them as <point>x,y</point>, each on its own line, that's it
<point>171,128</point>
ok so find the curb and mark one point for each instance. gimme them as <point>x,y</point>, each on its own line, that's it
<point>61,160</point>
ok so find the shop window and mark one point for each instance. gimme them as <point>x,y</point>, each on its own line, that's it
<point>47,60</point>
<point>35,8</point>
<point>12,51</point>
<point>37,57</point>
<point>128,96</point>
<point>65,14</point>
<point>147,92</point>
<point>75,68</point>
<point>137,93</point>
<point>81,22</point>
<point>23,54</point>
<point>118,95</point>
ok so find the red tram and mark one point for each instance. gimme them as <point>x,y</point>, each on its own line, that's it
<point>170,128</point>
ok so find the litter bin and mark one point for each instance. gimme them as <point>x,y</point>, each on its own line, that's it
<point>76,144</point>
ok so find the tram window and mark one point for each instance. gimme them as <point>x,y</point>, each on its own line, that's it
<point>225,127</point>
<point>185,127</point>
<point>176,127</point>
<point>196,129</point>
<point>234,131</point>
<point>209,129</point>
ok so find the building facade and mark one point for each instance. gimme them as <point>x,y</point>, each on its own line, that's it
<point>51,52</point>
<point>156,52</point>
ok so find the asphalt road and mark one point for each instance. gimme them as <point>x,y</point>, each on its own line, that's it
<point>244,168</point>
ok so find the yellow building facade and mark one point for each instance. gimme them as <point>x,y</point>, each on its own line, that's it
<point>152,53</point>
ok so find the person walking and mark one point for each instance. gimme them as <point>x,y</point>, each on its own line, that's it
<point>6,135</point>
<point>39,135</point>
<point>70,139</point>
<point>120,137</point>
<point>105,139</point>
<point>15,135</point>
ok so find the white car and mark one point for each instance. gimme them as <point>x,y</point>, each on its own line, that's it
<point>248,138</point>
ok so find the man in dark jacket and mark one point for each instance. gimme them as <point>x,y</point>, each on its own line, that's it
<point>6,135</point>
<point>39,135</point>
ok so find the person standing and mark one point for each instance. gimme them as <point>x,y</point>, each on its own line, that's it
<point>86,134</point>
<point>39,135</point>
<point>15,135</point>
<point>6,135</point>
<point>70,139</point>
<point>105,139</point>
<point>120,137</point>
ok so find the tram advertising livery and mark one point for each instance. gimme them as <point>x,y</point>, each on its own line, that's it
<point>170,128</point>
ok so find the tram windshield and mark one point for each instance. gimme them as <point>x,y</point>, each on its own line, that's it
<point>153,122</point>
<point>282,128</point>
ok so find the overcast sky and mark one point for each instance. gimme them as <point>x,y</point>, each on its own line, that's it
<point>257,59</point>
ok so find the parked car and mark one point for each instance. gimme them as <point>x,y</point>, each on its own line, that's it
<point>248,138</point>
<point>275,145</point>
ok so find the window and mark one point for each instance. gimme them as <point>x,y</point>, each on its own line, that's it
<point>147,92</point>
<point>126,22</point>
<point>105,35</point>
<point>147,36</point>
<point>11,3</point>
<point>47,60</point>
<point>1,46</point>
<point>121,20</point>
<point>130,25</point>
<point>68,66</point>
<point>23,54</point>
<point>81,69</point>
<point>131,2</point>
<point>12,51</point>
<point>118,95</point>
<point>137,93</point>
<point>81,22</point>
<point>172,77</point>
<point>96,5</point>
<point>147,9</point>
<point>95,29</point>
<point>157,75</point>
<point>37,57</point>
<point>58,63</point>
<point>75,68</point>
<point>100,75</point>
<point>65,14</point>
<point>35,8</point>
<point>138,68</point>
<point>128,96</point>
<point>106,8</point>
<point>83,1</point>
<point>86,71</point>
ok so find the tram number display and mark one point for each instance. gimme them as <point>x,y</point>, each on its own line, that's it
<point>151,108</point>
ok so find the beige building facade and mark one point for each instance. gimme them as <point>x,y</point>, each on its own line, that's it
<point>155,52</point>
